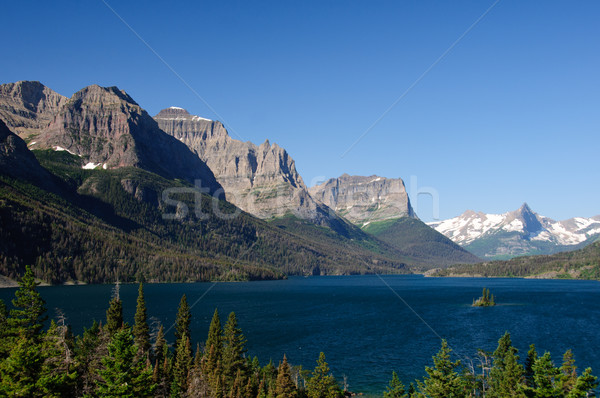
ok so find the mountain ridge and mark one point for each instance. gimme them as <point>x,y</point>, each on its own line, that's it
<point>108,129</point>
<point>518,232</point>
<point>260,179</point>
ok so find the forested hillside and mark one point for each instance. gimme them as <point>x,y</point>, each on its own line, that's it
<point>107,225</point>
<point>580,264</point>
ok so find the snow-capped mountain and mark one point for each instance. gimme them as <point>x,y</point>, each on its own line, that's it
<point>517,233</point>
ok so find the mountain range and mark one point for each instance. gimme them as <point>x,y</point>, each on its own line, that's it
<point>93,189</point>
<point>517,233</point>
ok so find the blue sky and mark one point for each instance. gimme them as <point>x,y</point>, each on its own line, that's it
<point>509,115</point>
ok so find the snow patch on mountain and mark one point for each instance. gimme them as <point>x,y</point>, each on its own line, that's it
<point>471,226</point>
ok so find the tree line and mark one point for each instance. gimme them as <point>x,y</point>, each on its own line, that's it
<point>114,359</point>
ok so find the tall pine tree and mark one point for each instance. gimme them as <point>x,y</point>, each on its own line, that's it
<point>141,330</point>
<point>114,314</point>
<point>182,321</point>
<point>28,315</point>
<point>545,377</point>
<point>181,367</point>
<point>285,387</point>
<point>123,375</point>
<point>396,389</point>
<point>443,380</point>
<point>507,375</point>
<point>234,351</point>
<point>321,383</point>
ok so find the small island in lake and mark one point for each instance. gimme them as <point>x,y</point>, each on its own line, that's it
<point>485,300</point>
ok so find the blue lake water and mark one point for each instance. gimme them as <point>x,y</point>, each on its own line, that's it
<point>367,326</point>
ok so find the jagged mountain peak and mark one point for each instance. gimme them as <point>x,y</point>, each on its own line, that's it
<point>260,179</point>
<point>517,232</point>
<point>94,93</point>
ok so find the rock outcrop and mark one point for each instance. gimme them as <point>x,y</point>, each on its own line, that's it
<point>261,180</point>
<point>18,162</point>
<point>28,107</point>
<point>108,129</point>
<point>363,200</point>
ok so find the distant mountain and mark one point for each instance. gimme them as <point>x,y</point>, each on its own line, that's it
<point>28,107</point>
<point>261,180</point>
<point>362,200</point>
<point>107,129</point>
<point>381,207</point>
<point>517,233</point>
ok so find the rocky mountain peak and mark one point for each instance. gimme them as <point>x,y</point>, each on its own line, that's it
<point>104,96</point>
<point>362,200</point>
<point>27,107</point>
<point>173,111</point>
<point>530,222</point>
<point>108,129</point>
<point>261,180</point>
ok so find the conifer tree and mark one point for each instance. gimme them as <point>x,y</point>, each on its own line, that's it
<point>233,351</point>
<point>269,374</point>
<point>28,315</point>
<point>141,330</point>
<point>506,376</point>
<point>88,360</point>
<point>322,384</point>
<point>284,387</point>
<point>214,345</point>
<point>545,375</point>
<point>114,316</point>
<point>21,344</point>
<point>20,371</point>
<point>396,389</point>
<point>529,361</point>
<point>182,321</point>
<point>58,375</point>
<point>122,374</point>
<point>262,393</point>
<point>160,346</point>
<point>237,388</point>
<point>181,367</point>
<point>584,386</point>
<point>443,380</point>
<point>568,373</point>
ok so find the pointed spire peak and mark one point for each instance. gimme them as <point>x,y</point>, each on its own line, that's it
<point>525,208</point>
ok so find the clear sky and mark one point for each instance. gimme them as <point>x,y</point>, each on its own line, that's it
<point>510,114</point>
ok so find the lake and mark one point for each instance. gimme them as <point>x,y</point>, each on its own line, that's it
<point>366,325</point>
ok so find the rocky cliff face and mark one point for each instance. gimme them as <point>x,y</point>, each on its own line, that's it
<point>363,200</point>
<point>261,180</point>
<point>28,107</point>
<point>17,161</point>
<point>108,129</point>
